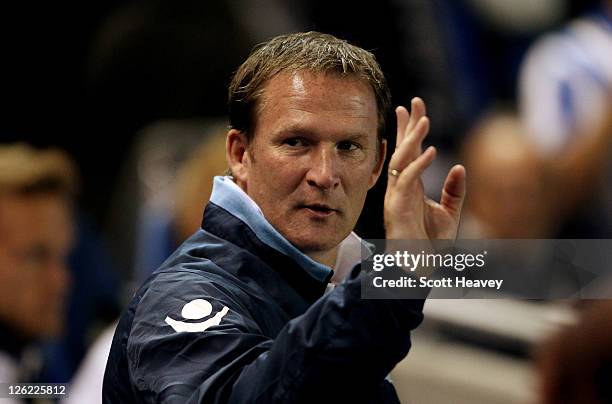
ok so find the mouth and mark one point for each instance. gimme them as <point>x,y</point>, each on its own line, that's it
<point>319,209</point>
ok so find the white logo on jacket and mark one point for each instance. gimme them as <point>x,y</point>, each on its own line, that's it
<point>195,310</point>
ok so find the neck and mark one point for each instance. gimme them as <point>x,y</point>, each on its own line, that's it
<point>325,257</point>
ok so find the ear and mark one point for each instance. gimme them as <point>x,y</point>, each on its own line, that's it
<point>236,152</point>
<point>380,162</point>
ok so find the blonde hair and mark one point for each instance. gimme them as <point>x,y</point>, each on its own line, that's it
<point>194,181</point>
<point>26,170</point>
<point>304,51</point>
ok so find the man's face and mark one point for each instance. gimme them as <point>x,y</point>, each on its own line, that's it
<point>35,239</point>
<point>313,157</point>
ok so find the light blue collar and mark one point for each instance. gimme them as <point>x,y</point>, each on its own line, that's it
<point>232,198</point>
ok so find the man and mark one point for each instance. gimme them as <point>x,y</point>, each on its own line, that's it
<point>238,313</point>
<point>36,235</point>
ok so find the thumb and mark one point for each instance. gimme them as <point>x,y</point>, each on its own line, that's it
<point>453,192</point>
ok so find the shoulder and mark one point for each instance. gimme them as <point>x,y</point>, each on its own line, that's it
<point>180,299</point>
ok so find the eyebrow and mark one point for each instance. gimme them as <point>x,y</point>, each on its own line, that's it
<point>297,130</point>
<point>357,137</point>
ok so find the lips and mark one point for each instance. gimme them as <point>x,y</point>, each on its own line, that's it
<point>319,209</point>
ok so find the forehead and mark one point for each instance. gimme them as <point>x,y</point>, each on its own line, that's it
<point>35,218</point>
<point>326,97</point>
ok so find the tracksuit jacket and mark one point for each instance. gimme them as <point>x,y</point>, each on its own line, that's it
<point>239,315</point>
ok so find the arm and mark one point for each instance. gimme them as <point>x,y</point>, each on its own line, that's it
<point>341,348</point>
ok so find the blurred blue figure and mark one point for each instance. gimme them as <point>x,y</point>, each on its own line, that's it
<point>93,303</point>
<point>37,191</point>
<point>565,93</point>
<point>566,80</point>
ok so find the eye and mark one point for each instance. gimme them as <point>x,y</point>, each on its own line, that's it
<point>295,142</point>
<point>34,257</point>
<point>349,146</point>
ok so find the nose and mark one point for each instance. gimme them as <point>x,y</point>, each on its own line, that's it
<point>59,278</point>
<point>323,172</point>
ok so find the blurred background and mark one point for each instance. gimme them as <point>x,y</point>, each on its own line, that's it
<point>134,93</point>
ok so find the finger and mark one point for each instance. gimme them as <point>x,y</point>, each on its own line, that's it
<point>403,116</point>
<point>454,190</point>
<point>411,146</point>
<point>414,143</point>
<point>415,169</point>
<point>417,111</point>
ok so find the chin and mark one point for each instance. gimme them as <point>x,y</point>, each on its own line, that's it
<point>53,330</point>
<point>315,243</point>
<point>51,326</point>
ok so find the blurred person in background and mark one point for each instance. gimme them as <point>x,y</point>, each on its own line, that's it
<point>575,365</point>
<point>194,184</point>
<point>167,182</point>
<point>36,235</point>
<point>520,192</point>
<point>566,79</point>
<point>509,183</point>
<point>564,95</point>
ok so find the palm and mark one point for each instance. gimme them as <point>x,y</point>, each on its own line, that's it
<point>439,223</point>
<point>409,214</point>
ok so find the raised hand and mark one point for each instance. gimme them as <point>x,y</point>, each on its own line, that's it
<point>409,214</point>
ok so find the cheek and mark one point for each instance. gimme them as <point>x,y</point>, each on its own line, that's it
<point>362,167</point>
<point>358,179</point>
<point>273,178</point>
<point>33,303</point>
<point>25,297</point>
<point>356,195</point>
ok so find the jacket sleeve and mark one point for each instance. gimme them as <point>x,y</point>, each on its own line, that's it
<point>341,348</point>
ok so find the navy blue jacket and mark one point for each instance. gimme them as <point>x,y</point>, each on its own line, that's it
<point>230,319</point>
